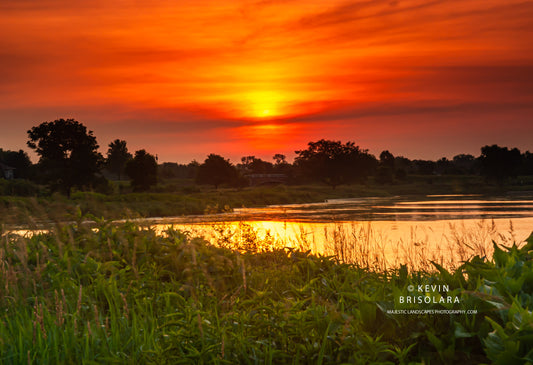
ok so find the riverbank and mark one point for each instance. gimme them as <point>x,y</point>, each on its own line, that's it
<point>122,294</point>
<point>181,198</point>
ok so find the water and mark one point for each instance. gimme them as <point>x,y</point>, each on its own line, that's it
<point>379,232</point>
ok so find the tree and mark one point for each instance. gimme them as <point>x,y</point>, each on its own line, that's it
<point>68,154</point>
<point>18,160</point>
<point>117,157</point>
<point>142,170</point>
<point>279,158</point>
<point>464,163</point>
<point>386,159</point>
<point>335,163</point>
<point>499,163</point>
<point>385,171</point>
<point>216,171</point>
<point>253,165</point>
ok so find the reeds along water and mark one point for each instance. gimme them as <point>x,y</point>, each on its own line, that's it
<point>379,246</point>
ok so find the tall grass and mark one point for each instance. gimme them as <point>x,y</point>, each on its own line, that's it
<point>125,294</point>
<point>362,244</point>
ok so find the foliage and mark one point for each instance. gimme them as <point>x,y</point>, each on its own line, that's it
<point>335,163</point>
<point>142,170</point>
<point>499,163</point>
<point>68,154</point>
<point>124,294</point>
<point>20,187</point>
<point>216,171</point>
<point>18,160</point>
<point>117,157</point>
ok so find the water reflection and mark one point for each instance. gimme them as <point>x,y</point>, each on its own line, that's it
<point>378,232</point>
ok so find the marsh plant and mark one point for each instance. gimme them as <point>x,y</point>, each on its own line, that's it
<point>122,293</point>
<point>364,245</point>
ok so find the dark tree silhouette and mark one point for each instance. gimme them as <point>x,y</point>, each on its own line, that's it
<point>464,163</point>
<point>216,171</point>
<point>117,157</point>
<point>142,170</point>
<point>253,165</point>
<point>335,163</point>
<point>68,154</point>
<point>280,159</point>
<point>385,171</point>
<point>499,163</point>
<point>386,159</point>
<point>18,160</point>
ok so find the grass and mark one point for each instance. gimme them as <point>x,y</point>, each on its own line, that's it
<point>124,294</point>
<point>179,197</point>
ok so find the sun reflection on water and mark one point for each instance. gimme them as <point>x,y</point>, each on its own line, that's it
<point>378,244</point>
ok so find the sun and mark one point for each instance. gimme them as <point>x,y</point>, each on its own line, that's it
<point>264,104</point>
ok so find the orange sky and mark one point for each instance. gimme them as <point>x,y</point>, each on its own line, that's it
<point>423,79</point>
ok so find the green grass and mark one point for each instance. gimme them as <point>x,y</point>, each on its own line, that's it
<point>123,294</point>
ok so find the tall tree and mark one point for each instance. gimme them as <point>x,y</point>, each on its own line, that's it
<point>216,170</point>
<point>68,154</point>
<point>335,163</point>
<point>142,170</point>
<point>499,163</point>
<point>117,157</point>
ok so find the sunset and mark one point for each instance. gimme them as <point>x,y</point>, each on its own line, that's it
<point>266,182</point>
<point>424,79</point>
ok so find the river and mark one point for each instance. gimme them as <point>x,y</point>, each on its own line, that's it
<point>378,232</point>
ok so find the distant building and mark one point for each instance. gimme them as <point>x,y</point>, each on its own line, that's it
<point>7,172</point>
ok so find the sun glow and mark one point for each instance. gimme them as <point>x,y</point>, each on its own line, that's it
<point>264,104</point>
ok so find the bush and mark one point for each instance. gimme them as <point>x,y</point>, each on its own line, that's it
<point>20,187</point>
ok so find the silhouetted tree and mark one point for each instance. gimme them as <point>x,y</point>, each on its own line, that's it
<point>117,157</point>
<point>279,159</point>
<point>386,159</point>
<point>335,163</point>
<point>424,167</point>
<point>18,160</point>
<point>216,171</point>
<point>68,154</point>
<point>253,165</point>
<point>464,164</point>
<point>142,170</point>
<point>444,166</point>
<point>499,163</point>
<point>527,163</point>
<point>385,171</point>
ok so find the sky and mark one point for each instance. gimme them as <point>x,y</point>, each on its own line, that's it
<point>182,79</point>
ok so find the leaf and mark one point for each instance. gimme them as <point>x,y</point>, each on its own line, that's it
<point>461,332</point>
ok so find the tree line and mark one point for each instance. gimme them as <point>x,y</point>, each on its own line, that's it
<point>69,158</point>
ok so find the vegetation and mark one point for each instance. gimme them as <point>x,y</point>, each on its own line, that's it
<point>123,294</point>
<point>179,197</point>
<point>335,163</point>
<point>68,153</point>
<point>499,163</point>
<point>117,157</point>
<point>69,160</point>
<point>142,170</point>
<point>216,171</point>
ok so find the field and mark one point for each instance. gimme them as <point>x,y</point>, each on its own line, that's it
<point>122,294</point>
<point>180,197</point>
